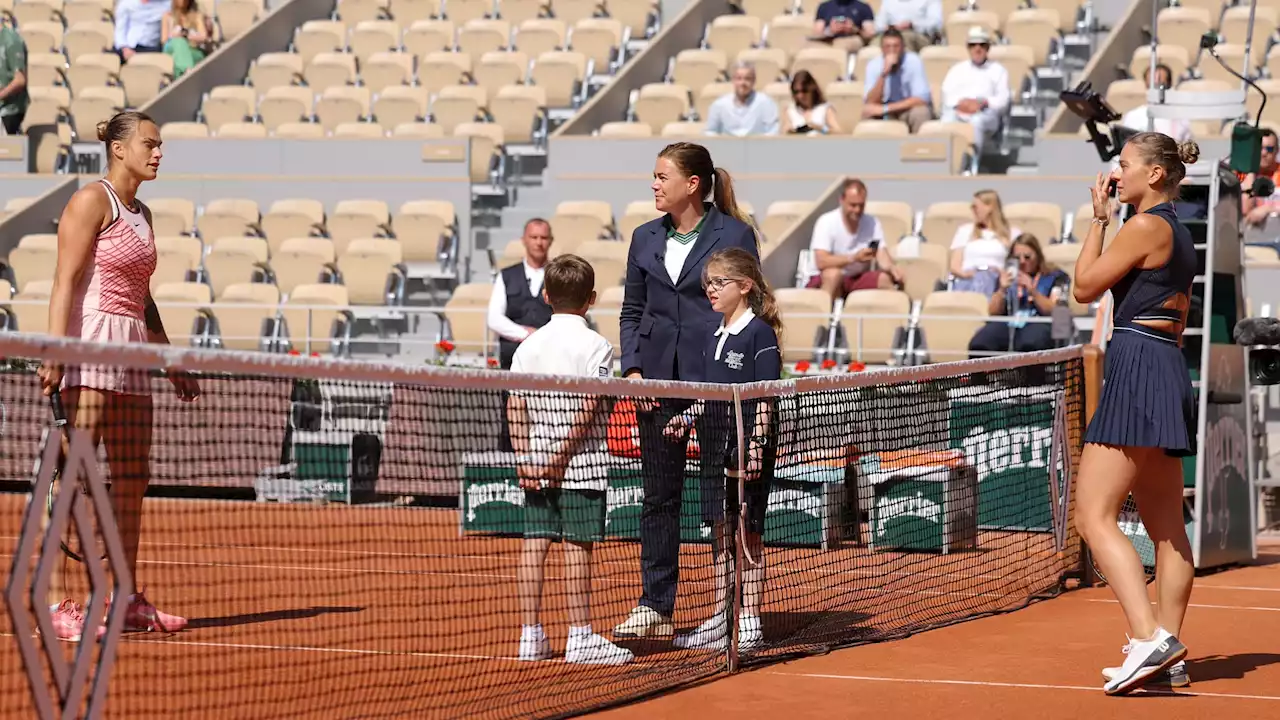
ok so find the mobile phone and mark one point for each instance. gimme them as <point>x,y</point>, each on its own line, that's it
<point>1111,188</point>
<point>874,245</point>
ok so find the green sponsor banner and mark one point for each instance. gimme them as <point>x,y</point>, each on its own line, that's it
<point>925,508</point>
<point>1006,435</point>
<point>799,513</point>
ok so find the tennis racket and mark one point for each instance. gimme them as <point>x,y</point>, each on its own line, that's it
<point>70,542</point>
<point>1132,527</point>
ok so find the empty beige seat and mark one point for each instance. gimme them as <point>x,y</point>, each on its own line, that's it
<point>227,104</point>
<point>400,105</point>
<point>421,226</point>
<point>228,216</point>
<point>684,129</point>
<point>183,309</point>
<point>895,220</point>
<point>172,216</point>
<point>486,146</point>
<point>599,39</point>
<point>562,74</point>
<point>500,68</point>
<point>185,130</point>
<point>465,315</point>
<point>607,314</point>
<point>315,315</point>
<point>33,261</point>
<point>177,259</point>
<point>93,70</point>
<point>806,314</point>
<point>578,221</point>
<point>45,36</point>
<point>882,129</point>
<point>303,261</point>
<point>418,130</point>
<point>144,76</point>
<point>536,36</point>
<point>1063,256</point>
<point>236,16</point>
<point>353,219</point>
<point>660,103</point>
<point>94,105</point>
<point>464,11</point>
<point>30,306</point>
<point>696,68</point>
<point>359,131</point>
<point>625,129</point>
<point>330,69</point>
<point>29,11</point>
<point>608,258</point>
<point>458,104</point>
<point>88,38</point>
<point>942,219</point>
<point>949,320</point>
<point>243,131</point>
<point>286,104</point>
<point>482,35</point>
<point>872,339</point>
<point>371,268</point>
<point>1041,219</point>
<point>425,36</point>
<point>781,215</point>
<point>636,214</point>
<point>355,13</point>
<point>275,69</point>
<point>826,64</point>
<point>386,69</point>
<point>1176,57</point>
<point>342,104</point>
<point>319,36</point>
<point>233,260</point>
<point>245,315</point>
<point>291,218</point>
<point>372,36</point>
<point>520,111</point>
<point>924,270</point>
<point>731,34</point>
<point>46,68</point>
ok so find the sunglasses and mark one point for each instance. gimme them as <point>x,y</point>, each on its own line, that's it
<point>1269,148</point>
<point>1024,256</point>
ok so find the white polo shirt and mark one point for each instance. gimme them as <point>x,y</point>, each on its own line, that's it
<point>566,346</point>
<point>831,234</point>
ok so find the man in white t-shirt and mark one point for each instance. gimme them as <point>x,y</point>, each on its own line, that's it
<point>848,247</point>
<point>562,463</point>
<point>1136,119</point>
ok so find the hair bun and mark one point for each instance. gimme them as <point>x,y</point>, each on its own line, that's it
<point>102,131</point>
<point>1188,152</point>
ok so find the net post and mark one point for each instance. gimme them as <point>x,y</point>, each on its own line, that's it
<point>734,597</point>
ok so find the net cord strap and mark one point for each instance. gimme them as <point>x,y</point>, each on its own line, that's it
<point>147,356</point>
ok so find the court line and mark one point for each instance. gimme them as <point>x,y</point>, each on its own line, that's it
<point>1200,586</point>
<point>1028,686</point>
<point>1196,605</point>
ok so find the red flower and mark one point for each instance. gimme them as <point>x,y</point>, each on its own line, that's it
<point>294,353</point>
<point>856,366</point>
<point>315,354</point>
<point>445,346</point>
<point>828,364</point>
<point>802,366</point>
<point>492,362</point>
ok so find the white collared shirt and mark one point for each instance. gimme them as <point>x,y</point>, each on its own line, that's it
<point>497,315</point>
<point>738,326</point>
<point>1136,119</point>
<point>988,81</point>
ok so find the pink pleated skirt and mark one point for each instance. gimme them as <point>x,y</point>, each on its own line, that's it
<point>98,326</point>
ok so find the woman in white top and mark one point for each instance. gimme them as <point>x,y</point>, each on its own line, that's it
<point>979,248</point>
<point>809,113</point>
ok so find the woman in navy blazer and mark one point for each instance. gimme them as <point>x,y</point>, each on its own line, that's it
<point>664,319</point>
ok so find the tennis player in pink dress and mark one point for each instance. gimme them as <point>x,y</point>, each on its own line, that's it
<point>101,293</point>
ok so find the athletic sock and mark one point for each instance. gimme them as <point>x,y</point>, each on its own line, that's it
<point>532,632</point>
<point>579,631</point>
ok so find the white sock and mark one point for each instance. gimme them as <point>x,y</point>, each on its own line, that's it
<point>532,632</point>
<point>579,631</point>
<point>749,622</point>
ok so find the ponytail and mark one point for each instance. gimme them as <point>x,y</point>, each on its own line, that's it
<point>765,306</point>
<point>726,202</point>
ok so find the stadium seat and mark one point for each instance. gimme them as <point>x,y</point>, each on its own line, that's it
<point>1083,220</point>
<point>538,35</point>
<point>661,103</point>
<point>179,303</point>
<point>353,219</point>
<point>462,12</point>
<point>303,261</point>
<point>606,314</point>
<point>31,306</point>
<point>32,264</point>
<point>401,105</point>
<point>286,104</point>
<point>486,144</point>
<point>440,69</point>
<point>172,216</point>
<point>178,258</point>
<point>881,129</point>
<point>520,110</point>
<point>319,36</point>
<point>769,62</point>
<point>372,271</point>
<point>226,217</point>
<point>184,130</point>
<point>275,69</point>
<point>342,104</point>
<point>233,260</point>
<point>228,104</point>
<point>94,105</point>
<point>464,314</point>
<point>941,220</point>
<point>781,215</point>
<point>418,130</point>
<point>872,339</point>
<point>93,70</point>
<point>498,69</point>
<point>731,34</point>
<point>43,36</point>
<point>924,269</point>
<point>949,320</point>
<point>846,99</point>
<point>234,17</point>
<point>957,25</point>
<point>637,214</point>
<point>1063,256</point>
<point>144,76</point>
<point>292,218</point>
<point>479,36</point>
<point>385,70</point>
<point>599,40</point>
<point>1041,219</point>
<point>421,226</point>
<point>244,316</point>
<point>330,69</point>
<point>825,64</point>
<point>88,38</point>
<point>46,68</point>
<point>1125,95</point>
<point>576,222</point>
<point>243,131</point>
<point>372,36</point>
<point>806,314</point>
<point>315,315</point>
<point>685,129</point>
<point>788,33</point>
<point>1176,57</point>
<point>696,68</point>
<point>625,129</point>
<point>608,258</point>
<point>359,131</point>
<point>563,75</point>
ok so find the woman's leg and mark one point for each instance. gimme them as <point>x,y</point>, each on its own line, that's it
<point>127,436</point>
<point>1107,474</point>
<point>84,408</point>
<point>1158,493</point>
<point>753,575</point>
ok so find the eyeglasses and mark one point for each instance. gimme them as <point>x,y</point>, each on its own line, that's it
<point>718,283</point>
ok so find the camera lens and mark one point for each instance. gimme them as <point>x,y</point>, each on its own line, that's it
<point>1265,366</point>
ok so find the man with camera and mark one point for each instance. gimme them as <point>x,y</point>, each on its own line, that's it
<point>896,85</point>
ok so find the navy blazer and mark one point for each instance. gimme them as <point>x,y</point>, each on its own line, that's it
<point>665,323</point>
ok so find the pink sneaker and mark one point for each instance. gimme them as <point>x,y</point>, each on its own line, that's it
<point>142,616</point>
<point>68,621</point>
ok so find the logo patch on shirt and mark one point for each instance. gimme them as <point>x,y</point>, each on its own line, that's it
<point>604,371</point>
<point>733,359</point>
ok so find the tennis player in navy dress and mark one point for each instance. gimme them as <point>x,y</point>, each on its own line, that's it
<point>741,348</point>
<point>1145,420</point>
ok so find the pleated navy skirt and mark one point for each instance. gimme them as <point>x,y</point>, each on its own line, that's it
<point>1147,399</point>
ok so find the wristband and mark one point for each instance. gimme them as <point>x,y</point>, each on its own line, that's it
<point>1103,223</point>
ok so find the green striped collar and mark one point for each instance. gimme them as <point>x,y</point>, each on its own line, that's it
<point>684,238</point>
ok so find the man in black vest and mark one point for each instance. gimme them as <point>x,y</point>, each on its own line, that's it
<point>516,308</point>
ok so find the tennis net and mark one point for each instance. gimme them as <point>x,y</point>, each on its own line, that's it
<point>351,539</point>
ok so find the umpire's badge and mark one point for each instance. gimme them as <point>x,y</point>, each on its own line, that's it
<point>604,371</point>
<point>733,360</point>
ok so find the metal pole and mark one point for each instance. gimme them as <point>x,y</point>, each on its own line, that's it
<point>1151,73</point>
<point>1248,46</point>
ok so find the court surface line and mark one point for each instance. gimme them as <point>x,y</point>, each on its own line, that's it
<point>1029,686</point>
<point>1196,605</point>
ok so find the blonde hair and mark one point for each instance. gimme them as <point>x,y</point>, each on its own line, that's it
<point>996,221</point>
<point>694,160</point>
<point>739,264</point>
<point>1160,150</point>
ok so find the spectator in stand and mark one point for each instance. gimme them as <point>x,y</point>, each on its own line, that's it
<point>809,113</point>
<point>980,249</point>
<point>516,307</point>
<point>847,24</point>
<point>13,80</point>
<point>917,20</point>
<point>848,248</point>
<point>896,86</point>
<point>187,35</point>
<point>744,111</point>
<point>1258,227</point>
<point>1136,119</point>
<point>139,26</point>
<point>976,91</point>
<point>1031,290</point>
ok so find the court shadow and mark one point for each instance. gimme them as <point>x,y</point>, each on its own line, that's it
<point>265,617</point>
<point>813,627</point>
<point>1228,667</point>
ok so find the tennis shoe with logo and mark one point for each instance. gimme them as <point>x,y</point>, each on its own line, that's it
<point>142,616</point>
<point>68,621</point>
<point>1175,677</point>
<point>593,649</point>
<point>534,646</point>
<point>644,622</point>
<point>1145,661</point>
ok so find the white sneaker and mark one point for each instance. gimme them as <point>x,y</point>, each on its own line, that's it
<point>534,648</point>
<point>594,649</point>
<point>644,622</point>
<point>1175,677</point>
<point>1144,660</point>
<point>710,635</point>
